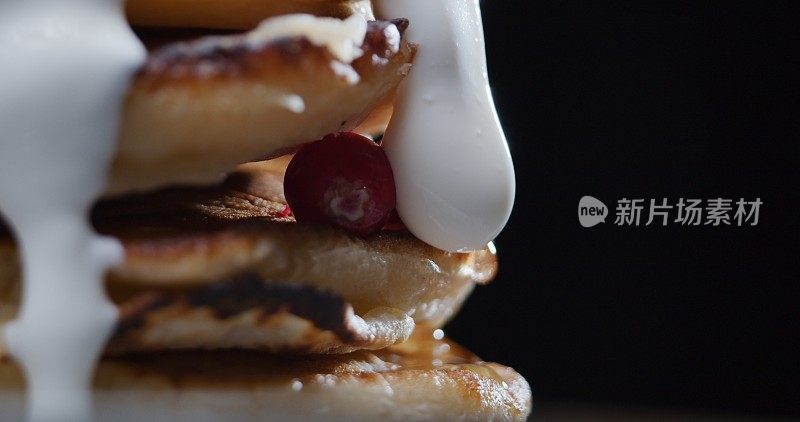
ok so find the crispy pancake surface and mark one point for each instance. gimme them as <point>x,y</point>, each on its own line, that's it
<point>197,109</point>
<point>228,267</point>
<point>184,238</point>
<point>423,379</point>
<point>234,14</point>
<point>246,313</point>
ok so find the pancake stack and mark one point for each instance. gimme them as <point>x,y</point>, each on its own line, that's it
<point>231,309</point>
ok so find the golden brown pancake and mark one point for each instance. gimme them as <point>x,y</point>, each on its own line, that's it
<point>423,379</point>
<point>246,313</point>
<point>197,109</point>
<point>234,14</point>
<point>227,266</point>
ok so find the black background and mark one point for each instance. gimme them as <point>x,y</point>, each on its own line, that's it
<point>692,99</point>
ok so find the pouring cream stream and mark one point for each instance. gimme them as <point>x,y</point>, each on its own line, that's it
<point>64,68</point>
<point>452,167</point>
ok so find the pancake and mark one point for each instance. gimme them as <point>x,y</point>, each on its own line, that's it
<point>234,14</point>
<point>227,266</point>
<point>246,313</point>
<point>423,379</point>
<point>195,110</point>
<point>228,308</point>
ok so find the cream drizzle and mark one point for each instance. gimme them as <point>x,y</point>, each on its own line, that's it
<point>64,68</point>
<point>452,167</point>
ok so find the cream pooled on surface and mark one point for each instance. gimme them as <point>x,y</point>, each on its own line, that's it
<point>64,68</point>
<point>452,167</point>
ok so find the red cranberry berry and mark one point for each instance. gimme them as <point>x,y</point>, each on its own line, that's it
<point>343,179</point>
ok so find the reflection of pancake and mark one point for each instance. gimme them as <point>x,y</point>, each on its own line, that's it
<point>421,379</point>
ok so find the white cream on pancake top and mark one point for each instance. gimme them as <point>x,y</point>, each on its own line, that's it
<point>64,68</point>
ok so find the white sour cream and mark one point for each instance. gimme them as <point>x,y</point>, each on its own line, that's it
<point>452,167</point>
<point>343,38</point>
<point>64,68</point>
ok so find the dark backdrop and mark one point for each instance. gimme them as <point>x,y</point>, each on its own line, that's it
<point>646,100</point>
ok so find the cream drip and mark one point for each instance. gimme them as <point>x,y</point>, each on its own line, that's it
<point>64,68</point>
<point>452,167</point>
